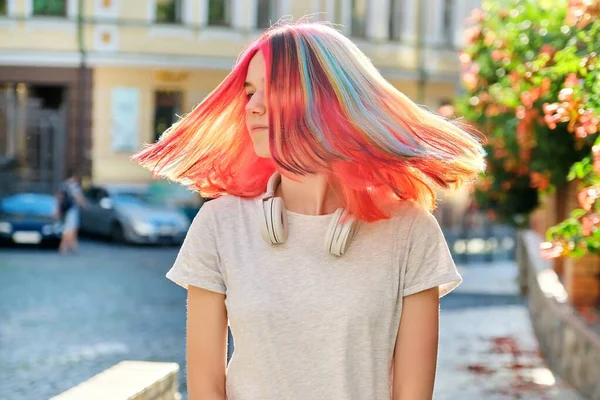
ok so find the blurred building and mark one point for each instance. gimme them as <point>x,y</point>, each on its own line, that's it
<point>85,83</point>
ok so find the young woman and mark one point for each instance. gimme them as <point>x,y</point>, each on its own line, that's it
<point>323,257</point>
<point>70,199</point>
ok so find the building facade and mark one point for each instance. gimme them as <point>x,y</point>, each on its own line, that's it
<point>111,75</point>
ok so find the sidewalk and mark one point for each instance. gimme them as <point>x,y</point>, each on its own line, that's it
<point>490,352</point>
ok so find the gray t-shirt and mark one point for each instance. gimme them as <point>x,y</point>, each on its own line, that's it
<point>306,324</point>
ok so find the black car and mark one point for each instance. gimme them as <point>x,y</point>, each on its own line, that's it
<point>29,218</point>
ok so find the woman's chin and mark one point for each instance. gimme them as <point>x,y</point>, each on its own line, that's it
<point>262,152</point>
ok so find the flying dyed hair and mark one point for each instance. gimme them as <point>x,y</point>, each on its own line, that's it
<point>330,112</point>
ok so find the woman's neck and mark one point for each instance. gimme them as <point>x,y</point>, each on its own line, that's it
<point>310,195</point>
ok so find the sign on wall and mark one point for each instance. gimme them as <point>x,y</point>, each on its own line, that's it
<point>125,112</point>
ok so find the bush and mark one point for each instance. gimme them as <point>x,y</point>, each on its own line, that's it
<point>531,84</point>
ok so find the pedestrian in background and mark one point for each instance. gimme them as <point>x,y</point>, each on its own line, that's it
<point>321,250</point>
<point>70,199</point>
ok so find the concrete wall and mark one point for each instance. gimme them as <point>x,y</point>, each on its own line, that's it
<point>569,344</point>
<point>129,380</point>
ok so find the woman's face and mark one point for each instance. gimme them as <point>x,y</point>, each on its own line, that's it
<point>257,119</point>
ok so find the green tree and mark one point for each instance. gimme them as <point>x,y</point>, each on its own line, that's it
<point>531,84</point>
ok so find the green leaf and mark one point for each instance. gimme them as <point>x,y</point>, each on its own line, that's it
<point>578,213</point>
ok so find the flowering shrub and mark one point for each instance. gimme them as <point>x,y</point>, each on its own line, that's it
<point>530,74</point>
<point>579,234</point>
<point>579,107</point>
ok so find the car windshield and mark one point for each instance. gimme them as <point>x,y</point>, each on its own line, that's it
<point>131,199</point>
<point>29,205</point>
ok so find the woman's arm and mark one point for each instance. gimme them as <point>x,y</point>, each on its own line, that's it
<point>206,344</point>
<point>59,197</point>
<point>415,354</point>
<point>80,200</point>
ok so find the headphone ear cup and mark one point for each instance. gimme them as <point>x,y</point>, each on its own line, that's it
<point>274,229</point>
<point>340,234</point>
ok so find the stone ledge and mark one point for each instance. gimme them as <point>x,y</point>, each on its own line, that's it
<point>129,380</point>
<point>570,346</point>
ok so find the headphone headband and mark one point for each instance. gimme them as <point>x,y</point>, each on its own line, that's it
<point>274,227</point>
<point>272,184</point>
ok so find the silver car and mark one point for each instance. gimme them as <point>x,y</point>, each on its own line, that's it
<point>126,215</point>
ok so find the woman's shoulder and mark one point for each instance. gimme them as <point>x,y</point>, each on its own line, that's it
<point>224,209</point>
<point>408,211</point>
<point>412,217</point>
<point>227,203</point>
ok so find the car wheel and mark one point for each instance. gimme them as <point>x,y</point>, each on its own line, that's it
<point>116,233</point>
<point>53,244</point>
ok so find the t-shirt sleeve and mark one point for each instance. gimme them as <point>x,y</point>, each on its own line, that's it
<point>429,262</point>
<point>198,262</point>
<point>74,189</point>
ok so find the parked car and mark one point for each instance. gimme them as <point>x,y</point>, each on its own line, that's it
<point>29,218</point>
<point>125,214</point>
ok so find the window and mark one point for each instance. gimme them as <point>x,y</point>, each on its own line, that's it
<point>50,8</point>
<point>359,18</point>
<point>167,106</point>
<point>267,13</point>
<point>448,24</point>
<point>395,20</point>
<point>219,12</point>
<point>338,12</point>
<point>168,12</point>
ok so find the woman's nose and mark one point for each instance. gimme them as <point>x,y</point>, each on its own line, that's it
<point>256,104</point>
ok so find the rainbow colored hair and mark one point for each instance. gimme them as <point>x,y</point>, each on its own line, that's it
<point>330,112</point>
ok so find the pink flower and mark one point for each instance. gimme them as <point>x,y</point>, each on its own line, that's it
<point>492,110</point>
<point>528,98</point>
<point>582,12</point>
<point>470,80</point>
<point>472,34</point>
<point>500,152</point>
<point>523,169</point>
<point>446,111</point>
<point>478,15</point>
<point>596,155</point>
<point>580,132</point>
<point>566,94</point>
<point>547,49</point>
<point>550,250</point>
<point>489,38</point>
<point>588,223</point>
<point>540,181</point>
<point>589,122</point>
<point>555,113</point>
<point>545,86</point>
<point>587,197</point>
<point>550,121</point>
<point>465,59</point>
<point>549,108</point>
<point>572,81</point>
<point>497,55</point>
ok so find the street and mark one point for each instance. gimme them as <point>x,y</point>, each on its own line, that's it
<point>65,319</point>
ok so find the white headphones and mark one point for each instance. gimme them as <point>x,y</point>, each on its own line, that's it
<point>274,228</point>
